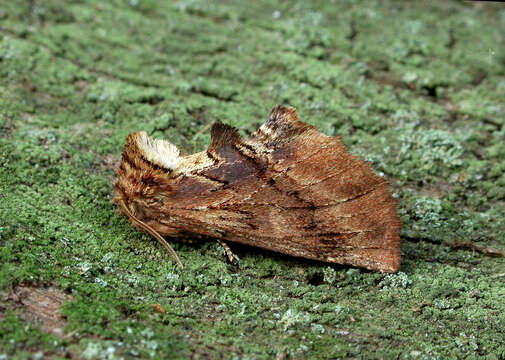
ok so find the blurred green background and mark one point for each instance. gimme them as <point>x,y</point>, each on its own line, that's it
<point>416,88</point>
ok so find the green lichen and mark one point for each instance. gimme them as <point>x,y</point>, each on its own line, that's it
<point>415,88</point>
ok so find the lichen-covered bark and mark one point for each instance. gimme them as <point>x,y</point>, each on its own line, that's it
<point>416,88</point>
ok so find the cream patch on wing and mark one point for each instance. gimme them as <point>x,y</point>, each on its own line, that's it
<point>159,152</point>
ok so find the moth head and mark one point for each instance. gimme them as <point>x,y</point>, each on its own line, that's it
<point>145,171</point>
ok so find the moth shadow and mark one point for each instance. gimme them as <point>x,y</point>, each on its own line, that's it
<point>252,256</point>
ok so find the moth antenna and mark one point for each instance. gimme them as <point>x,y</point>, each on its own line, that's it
<point>154,233</point>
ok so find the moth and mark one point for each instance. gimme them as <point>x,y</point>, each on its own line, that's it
<point>287,188</point>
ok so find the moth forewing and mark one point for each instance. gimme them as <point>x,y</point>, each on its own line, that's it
<point>286,188</point>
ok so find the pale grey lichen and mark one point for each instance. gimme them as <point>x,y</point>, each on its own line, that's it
<point>398,280</point>
<point>430,147</point>
<point>292,317</point>
<point>317,328</point>
<point>329,275</point>
<point>428,211</point>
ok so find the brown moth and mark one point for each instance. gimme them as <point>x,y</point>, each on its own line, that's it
<point>286,188</point>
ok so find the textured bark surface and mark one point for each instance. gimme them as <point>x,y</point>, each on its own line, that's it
<point>41,306</point>
<point>286,188</point>
<point>415,88</point>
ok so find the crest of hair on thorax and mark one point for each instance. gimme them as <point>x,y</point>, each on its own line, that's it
<point>157,151</point>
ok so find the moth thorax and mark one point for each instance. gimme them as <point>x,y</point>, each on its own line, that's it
<point>159,152</point>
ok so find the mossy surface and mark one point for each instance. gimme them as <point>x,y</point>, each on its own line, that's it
<point>416,88</point>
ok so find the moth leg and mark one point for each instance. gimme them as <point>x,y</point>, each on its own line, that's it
<point>231,256</point>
